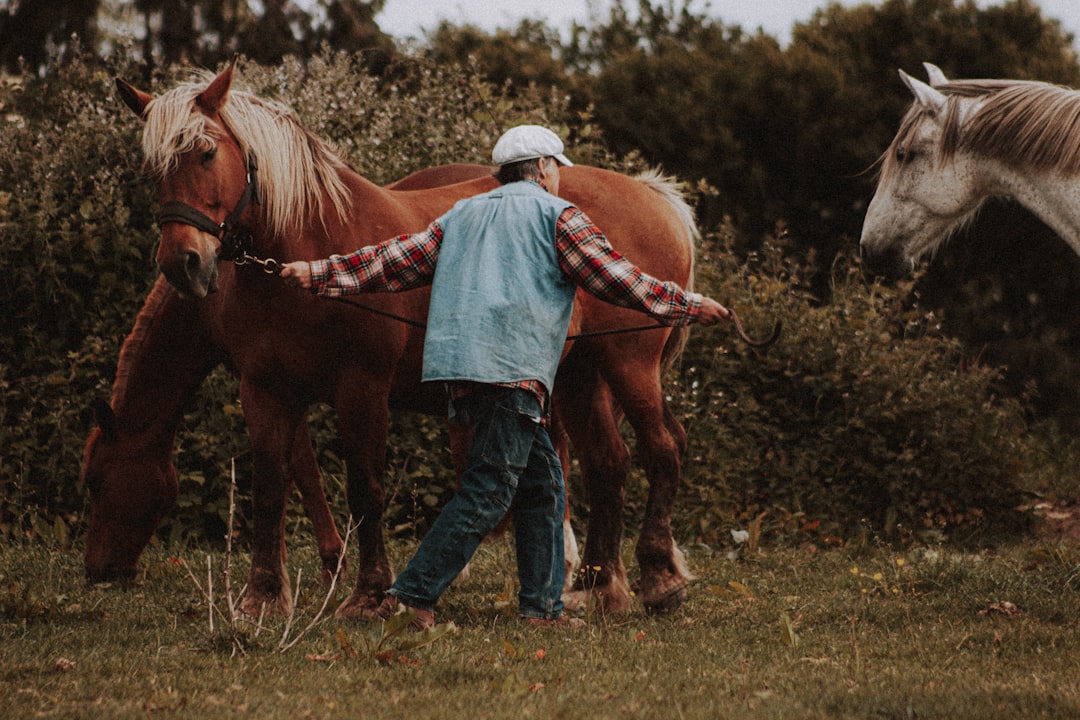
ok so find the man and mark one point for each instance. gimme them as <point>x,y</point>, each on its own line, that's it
<point>504,267</point>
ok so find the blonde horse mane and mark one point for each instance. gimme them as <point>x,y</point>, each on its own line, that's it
<point>1028,125</point>
<point>298,173</point>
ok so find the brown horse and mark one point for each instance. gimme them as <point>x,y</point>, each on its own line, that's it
<point>214,154</point>
<point>127,463</point>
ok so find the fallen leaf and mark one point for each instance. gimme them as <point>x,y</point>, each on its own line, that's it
<point>741,589</point>
<point>788,631</point>
<point>323,658</point>
<point>1004,607</point>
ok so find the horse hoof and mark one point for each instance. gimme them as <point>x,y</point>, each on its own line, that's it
<point>333,568</point>
<point>575,601</point>
<point>359,606</point>
<point>255,606</point>
<point>606,603</point>
<point>667,604</point>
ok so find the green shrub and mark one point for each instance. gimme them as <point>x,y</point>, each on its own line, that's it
<point>76,248</point>
<point>863,416</point>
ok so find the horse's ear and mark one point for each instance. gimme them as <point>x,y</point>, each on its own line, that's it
<point>924,94</point>
<point>106,419</point>
<point>213,98</point>
<point>135,99</point>
<point>935,75</point>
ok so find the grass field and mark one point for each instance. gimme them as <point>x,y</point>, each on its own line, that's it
<point>782,633</point>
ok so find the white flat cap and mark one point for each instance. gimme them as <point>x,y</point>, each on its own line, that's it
<point>527,142</point>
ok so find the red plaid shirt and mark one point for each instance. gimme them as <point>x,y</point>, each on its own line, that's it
<point>585,256</point>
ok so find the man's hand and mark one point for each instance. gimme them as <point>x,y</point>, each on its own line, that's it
<point>297,274</point>
<point>712,312</point>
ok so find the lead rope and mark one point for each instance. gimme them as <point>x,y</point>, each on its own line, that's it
<point>754,343</point>
<point>272,267</point>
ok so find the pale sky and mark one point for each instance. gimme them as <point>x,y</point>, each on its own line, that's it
<point>410,18</point>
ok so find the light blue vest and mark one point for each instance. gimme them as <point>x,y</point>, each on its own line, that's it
<point>500,305</point>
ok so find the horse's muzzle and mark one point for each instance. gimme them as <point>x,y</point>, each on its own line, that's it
<point>890,263</point>
<point>190,272</point>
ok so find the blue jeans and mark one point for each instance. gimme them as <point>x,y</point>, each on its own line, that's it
<point>511,462</point>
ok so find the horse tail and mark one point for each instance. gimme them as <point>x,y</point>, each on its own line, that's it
<point>671,192</point>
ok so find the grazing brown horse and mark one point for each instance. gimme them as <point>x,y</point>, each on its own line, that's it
<point>238,176</point>
<point>127,463</point>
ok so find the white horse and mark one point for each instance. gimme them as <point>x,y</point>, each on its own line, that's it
<point>962,143</point>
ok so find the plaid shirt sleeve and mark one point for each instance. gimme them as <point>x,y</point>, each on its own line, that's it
<point>586,256</point>
<point>402,263</point>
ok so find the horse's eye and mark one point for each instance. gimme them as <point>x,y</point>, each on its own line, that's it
<point>904,155</point>
<point>209,155</point>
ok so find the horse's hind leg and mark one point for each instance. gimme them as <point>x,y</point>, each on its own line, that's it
<point>560,440</point>
<point>661,441</point>
<point>304,471</point>
<point>585,407</point>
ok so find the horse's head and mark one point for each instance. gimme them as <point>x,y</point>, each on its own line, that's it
<point>131,486</point>
<point>201,174</point>
<point>925,189</point>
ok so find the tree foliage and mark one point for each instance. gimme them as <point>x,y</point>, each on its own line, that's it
<point>865,418</point>
<point>200,32</point>
<point>516,60</point>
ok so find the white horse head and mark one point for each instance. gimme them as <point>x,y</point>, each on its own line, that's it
<point>962,143</point>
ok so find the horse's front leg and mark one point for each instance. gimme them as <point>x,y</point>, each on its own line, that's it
<point>364,422</point>
<point>272,426</point>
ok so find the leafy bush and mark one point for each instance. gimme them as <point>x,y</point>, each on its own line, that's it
<point>77,251</point>
<point>864,416</point>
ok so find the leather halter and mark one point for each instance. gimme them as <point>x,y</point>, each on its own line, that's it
<point>235,240</point>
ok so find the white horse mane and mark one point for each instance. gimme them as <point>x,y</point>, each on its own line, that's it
<point>294,166</point>
<point>1030,125</point>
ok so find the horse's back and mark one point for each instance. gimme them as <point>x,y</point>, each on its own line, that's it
<point>440,175</point>
<point>642,219</point>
